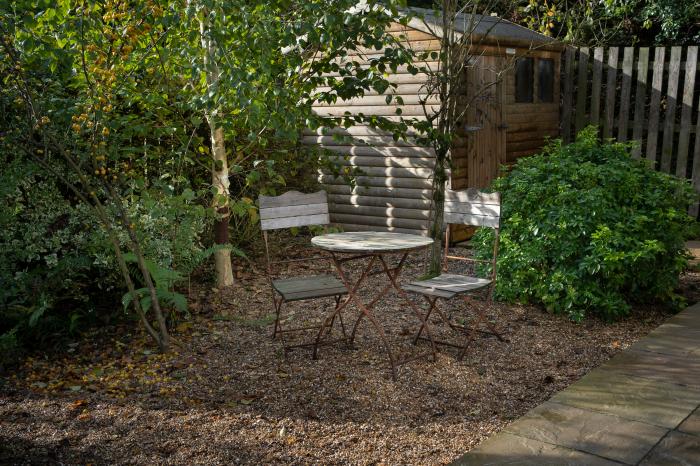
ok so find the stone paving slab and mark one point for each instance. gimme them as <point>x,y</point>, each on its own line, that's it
<point>512,449</point>
<point>676,449</point>
<point>642,407</point>
<point>656,366</point>
<point>662,404</point>
<point>599,434</point>
<point>669,342</point>
<point>692,424</point>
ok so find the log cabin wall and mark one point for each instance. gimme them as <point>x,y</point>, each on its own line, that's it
<point>394,190</point>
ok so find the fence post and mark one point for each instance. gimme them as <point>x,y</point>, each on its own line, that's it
<point>674,69</point>
<point>656,83</point>
<point>625,93</point>
<point>640,100</point>
<point>569,56</point>
<point>691,66</point>
<point>582,88</point>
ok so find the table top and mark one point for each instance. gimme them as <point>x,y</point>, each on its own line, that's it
<point>370,241</point>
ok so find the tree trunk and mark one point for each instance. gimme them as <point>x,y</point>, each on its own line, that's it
<point>438,211</point>
<point>219,179</point>
<point>219,172</point>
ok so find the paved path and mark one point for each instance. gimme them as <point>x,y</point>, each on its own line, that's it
<point>642,407</point>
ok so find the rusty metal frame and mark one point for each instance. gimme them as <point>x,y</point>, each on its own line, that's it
<point>278,301</point>
<point>480,313</point>
<point>366,308</point>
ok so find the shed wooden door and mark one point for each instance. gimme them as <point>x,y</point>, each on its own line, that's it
<point>486,147</point>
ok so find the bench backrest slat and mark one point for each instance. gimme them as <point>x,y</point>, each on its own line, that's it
<point>293,209</point>
<point>472,207</point>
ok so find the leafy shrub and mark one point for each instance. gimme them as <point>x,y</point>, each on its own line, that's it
<point>57,268</point>
<point>586,229</point>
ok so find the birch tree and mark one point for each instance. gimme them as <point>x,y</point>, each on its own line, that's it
<point>219,162</point>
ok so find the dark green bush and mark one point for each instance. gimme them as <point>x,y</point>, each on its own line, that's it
<point>58,272</point>
<point>586,229</point>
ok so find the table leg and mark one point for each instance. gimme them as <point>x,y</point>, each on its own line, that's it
<point>364,309</point>
<point>384,291</point>
<point>393,277</point>
<point>339,308</point>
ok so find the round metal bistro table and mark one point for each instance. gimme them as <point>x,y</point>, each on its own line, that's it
<point>352,246</point>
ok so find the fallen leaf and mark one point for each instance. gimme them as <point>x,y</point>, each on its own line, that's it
<point>78,403</point>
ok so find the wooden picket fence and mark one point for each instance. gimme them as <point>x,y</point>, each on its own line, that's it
<point>638,93</point>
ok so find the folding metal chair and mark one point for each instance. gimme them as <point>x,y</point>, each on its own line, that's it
<point>295,209</point>
<point>475,208</point>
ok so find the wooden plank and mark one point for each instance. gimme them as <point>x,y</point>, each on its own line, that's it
<point>375,211</point>
<point>318,282</point>
<point>289,222</point>
<point>687,111</point>
<point>422,152</point>
<point>529,109</point>
<point>472,195</point>
<point>382,221</point>
<point>391,172</point>
<point>473,220</point>
<point>473,208</point>
<point>414,99</point>
<point>351,66</point>
<point>582,88</point>
<point>356,130</point>
<point>292,198</point>
<point>380,191</point>
<point>655,105</point>
<point>640,100</point>
<point>414,183</point>
<point>423,231</point>
<point>399,89</point>
<point>401,203</point>
<point>695,177</point>
<point>379,110</point>
<point>625,93</point>
<point>569,56</point>
<point>391,161</point>
<point>418,45</point>
<point>416,288</point>
<point>610,88</point>
<point>527,118</point>
<point>674,71</point>
<point>293,211</point>
<point>596,86</point>
<point>368,141</point>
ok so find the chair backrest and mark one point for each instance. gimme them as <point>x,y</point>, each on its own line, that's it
<point>473,207</point>
<point>293,209</point>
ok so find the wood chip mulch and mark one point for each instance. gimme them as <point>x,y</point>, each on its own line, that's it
<point>230,395</point>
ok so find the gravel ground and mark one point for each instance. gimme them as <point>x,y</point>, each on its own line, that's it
<point>230,394</point>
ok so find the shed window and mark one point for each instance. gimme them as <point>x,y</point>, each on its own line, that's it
<point>545,80</point>
<point>524,80</point>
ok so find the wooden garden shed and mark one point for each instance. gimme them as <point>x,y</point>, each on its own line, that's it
<point>507,120</point>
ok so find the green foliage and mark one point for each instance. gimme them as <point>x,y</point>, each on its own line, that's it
<point>586,229</point>
<point>122,87</point>
<point>604,22</point>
